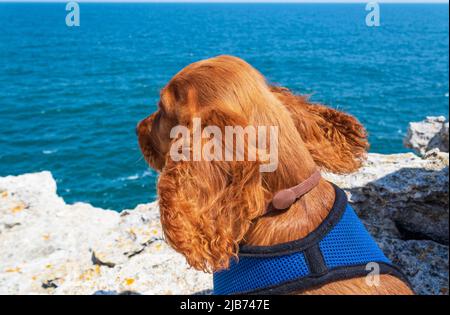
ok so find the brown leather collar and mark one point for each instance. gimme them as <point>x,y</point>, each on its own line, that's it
<point>283,199</point>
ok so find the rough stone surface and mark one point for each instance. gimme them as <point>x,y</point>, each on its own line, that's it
<point>431,133</point>
<point>425,263</point>
<point>50,247</point>
<point>404,188</point>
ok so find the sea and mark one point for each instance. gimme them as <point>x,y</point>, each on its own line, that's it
<point>70,97</point>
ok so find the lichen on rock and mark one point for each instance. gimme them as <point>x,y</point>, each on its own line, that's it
<point>48,246</point>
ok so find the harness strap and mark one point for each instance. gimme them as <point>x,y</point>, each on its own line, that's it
<point>314,281</point>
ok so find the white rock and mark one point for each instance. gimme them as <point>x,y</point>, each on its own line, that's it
<point>410,190</point>
<point>47,246</point>
<point>428,134</point>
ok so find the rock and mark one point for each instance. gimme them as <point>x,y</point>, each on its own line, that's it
<point>410,191</point>
<point>50,247</point>
<point>425,263</point>
<point>432,133</point>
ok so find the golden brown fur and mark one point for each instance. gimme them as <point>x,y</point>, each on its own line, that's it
<point>208,208</point>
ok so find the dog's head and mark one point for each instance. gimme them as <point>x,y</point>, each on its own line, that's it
<point>208,206</point>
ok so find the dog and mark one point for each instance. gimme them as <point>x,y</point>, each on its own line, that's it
<point>210,210</point>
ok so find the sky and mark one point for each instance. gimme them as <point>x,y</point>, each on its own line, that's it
<point>247,1</point>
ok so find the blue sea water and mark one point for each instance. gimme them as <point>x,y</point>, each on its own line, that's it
<point>70,97</point>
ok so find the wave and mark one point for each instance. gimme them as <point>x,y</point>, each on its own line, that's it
<point>134,177</point>
<point>47,152</point>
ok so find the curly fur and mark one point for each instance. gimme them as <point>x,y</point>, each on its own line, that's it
<point>209,208</point>
<point>327,132</point>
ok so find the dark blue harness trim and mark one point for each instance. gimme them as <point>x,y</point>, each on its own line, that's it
<point>314,259</point>
<point>314,281</point>
<point>335,214</point>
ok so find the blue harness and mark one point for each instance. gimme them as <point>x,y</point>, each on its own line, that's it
<point>340,248</point>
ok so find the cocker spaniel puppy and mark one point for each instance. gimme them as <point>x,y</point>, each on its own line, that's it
<point>211,208</point>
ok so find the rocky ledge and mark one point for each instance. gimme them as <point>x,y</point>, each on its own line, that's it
<point>50,247</point>
<point>431,133</point>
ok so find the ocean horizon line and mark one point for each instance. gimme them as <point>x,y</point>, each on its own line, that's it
<point>236,1</point>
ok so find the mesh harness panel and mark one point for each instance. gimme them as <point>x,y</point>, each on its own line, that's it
<point>340,248</point>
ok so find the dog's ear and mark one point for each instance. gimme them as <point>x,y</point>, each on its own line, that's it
<point>207,206</point>
<point>337,141</point>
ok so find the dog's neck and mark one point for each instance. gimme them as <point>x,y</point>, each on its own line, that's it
<point>295,165</point>
<point>304,216</point>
